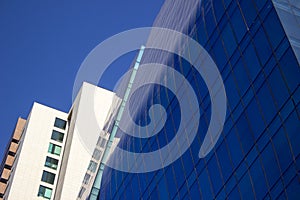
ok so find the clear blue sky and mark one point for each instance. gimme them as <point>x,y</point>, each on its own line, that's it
<point>43,43</point>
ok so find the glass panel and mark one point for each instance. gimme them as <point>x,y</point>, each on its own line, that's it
<point>54,149</point>
<point>103,142</point>
<point>48,177</point>
<point>248,11</point>
<point>238,24</point>
<point>269,162</point>
<point>92,166</point>
<point>48,193</point>
<point>251,59</point>
<point>51,163</point>
<point>44,192</point>
<point>257,177</point>
<point>293,190</point>
<point>246,187</point>
<point>266,103</point>
<point>60,123</point>
<point>57,136</point>
<point>99,141</point>
<point>228,39</point>
<point>97,153</point>
<point>86,178</point>
<point>277,84</point>
<point>290,68</point>
<point>82,190</point>
<point>262,46</point>
<point>205,186</point>
<point>274,30</point>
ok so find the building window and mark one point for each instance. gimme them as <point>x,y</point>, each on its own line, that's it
<point>82,190</point>
<point>48,177</point>
<point>54,149</point>
<point>99,141</point>
<point>51,163</point>
<point>60,123</point>
<point>86,178</point>
<point>103,142</point>
<point>97,154</point>
<point>45,192</point>
<point>57,136</point>
<point>92,166</point>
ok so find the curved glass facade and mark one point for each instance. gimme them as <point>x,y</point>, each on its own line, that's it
<point>258,153</point>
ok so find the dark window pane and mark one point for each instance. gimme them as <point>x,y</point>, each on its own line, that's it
<point>255,119</point>
<point>97,154</point>
<point>252,62</point>
<point>220,57</point>
<point>92,166</point>
<point>244,132</point>
<point>232,93</point>
<point>258,179</point>
<point>241,77</point>
<point>224,159</point>
<point>290,68</point>
<point>293,190</point>
<point>266,103</point>
<point>274,30</point>
<point>262,46</point>
<point>234,194</point>
<point>60,123</point>
<point>228,39</point>
<point>48,177</point>
<point>57,136</point>
<point>205,186</point>
<point>218,9</point>
<point>277,84</point>
<point>259,3</point>
<point>82,190</point>
<point>51,163</point>
<point>201,35</point>
<point>214,174</point>
<point>103,142</point>
<point>249,11</point>
<point>292,127</point>
<point>86,178</point>
<point>209,23</point>
<point>45,192</point>
<point>234,148</point>
<point>246,187</point>
<point>238,24</point>
<point>270,163</point>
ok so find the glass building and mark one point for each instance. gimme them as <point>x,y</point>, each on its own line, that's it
<point>258,153</point>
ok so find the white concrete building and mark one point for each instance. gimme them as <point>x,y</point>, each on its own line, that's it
<point>56,149</point>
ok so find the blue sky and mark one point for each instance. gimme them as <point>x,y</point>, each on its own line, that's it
<point>43,43</point>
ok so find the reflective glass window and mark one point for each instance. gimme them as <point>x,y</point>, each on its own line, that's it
<point>60,123</point>
<point>238,24</point>
<point>51,162</point>
<point>57,136</point>
<point>248,11</point>
<point>44,192</point>
<point>262,46</point>
<point>274,30</point>
<point>92,166</point>
<point>290,68</point>
<point>97,154</point>
<point>54,149</point>
<point>48,177</point>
